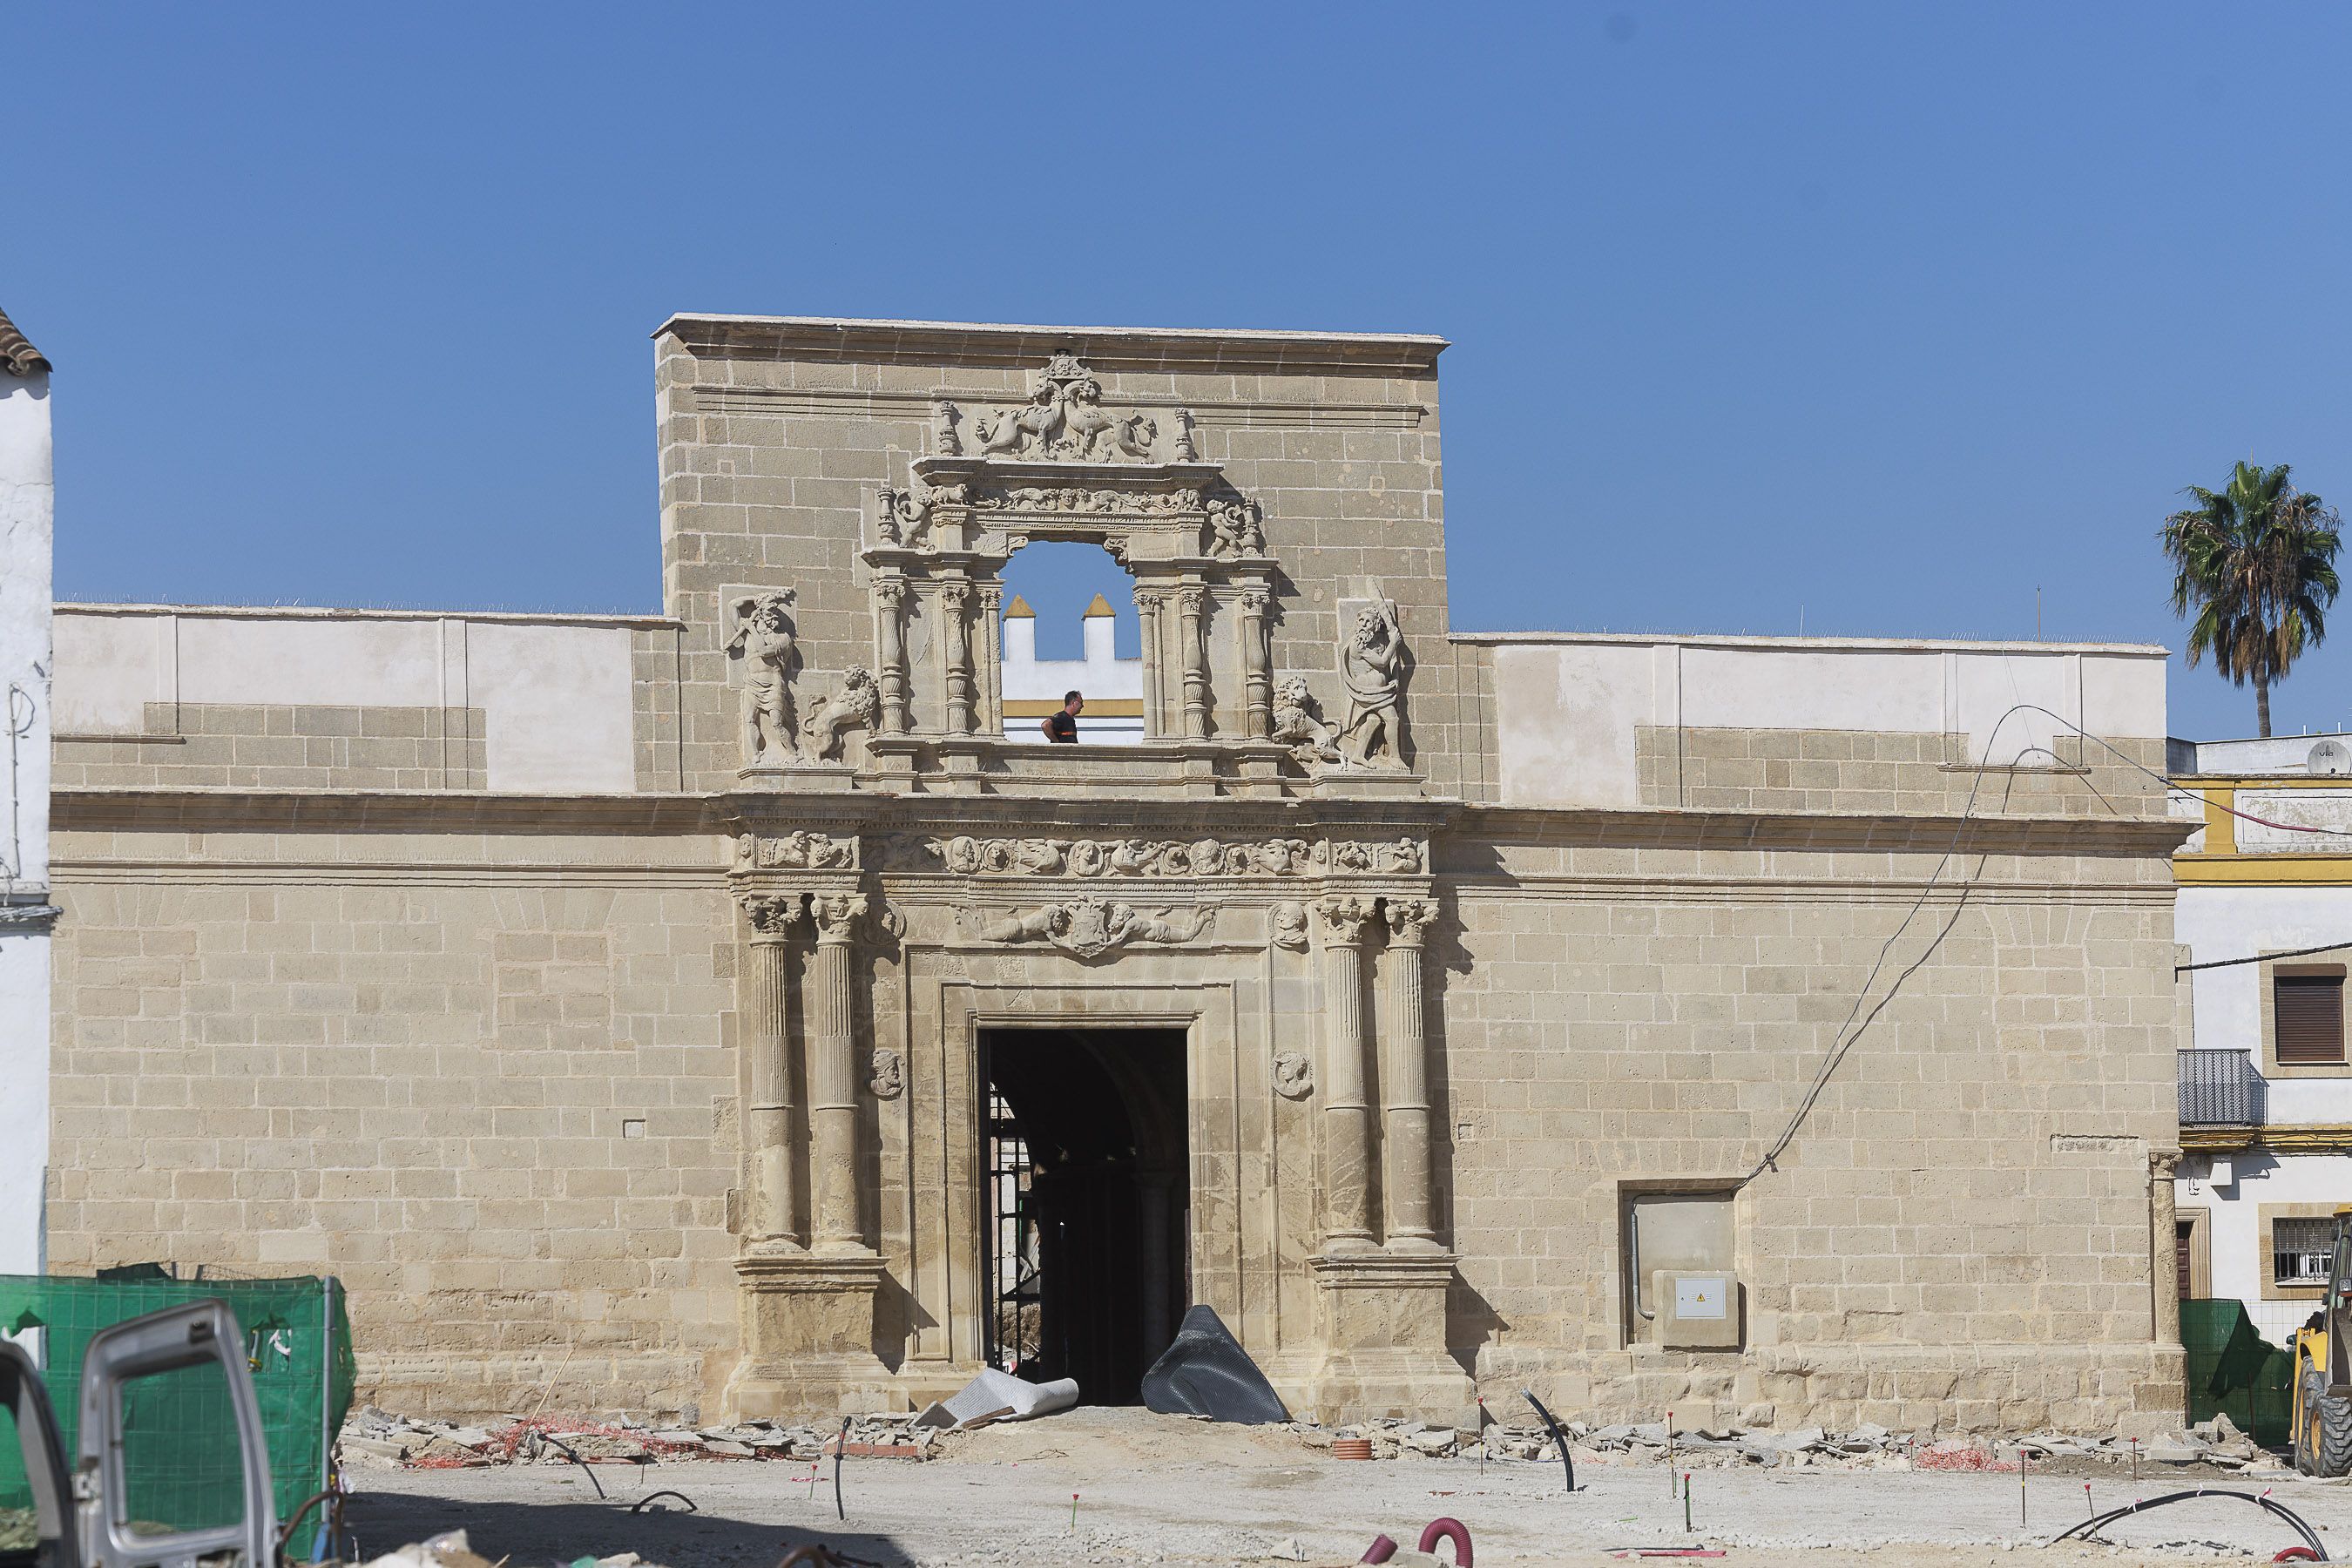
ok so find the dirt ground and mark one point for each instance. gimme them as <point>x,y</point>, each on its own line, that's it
<point>1163,1490</point>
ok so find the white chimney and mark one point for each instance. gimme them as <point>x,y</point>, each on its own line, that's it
<point>1020,632</point>
<point>1098,626</point>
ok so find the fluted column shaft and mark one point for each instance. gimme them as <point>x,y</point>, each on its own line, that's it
<point>833,1101</point>
<point>1257,674</point>
<point>2164,1246</point>
<point>1405,1083</point>
<point>992,662</point>
<point>1196,673</point>
<point>1346,1114</point>
<point>1155,713</point>
<point>768,1126</point>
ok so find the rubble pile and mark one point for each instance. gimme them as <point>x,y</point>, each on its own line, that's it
<point>1867,1448</point>
<point>371,1436</point>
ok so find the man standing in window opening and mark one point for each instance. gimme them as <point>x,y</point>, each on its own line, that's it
<point>1062,729</point>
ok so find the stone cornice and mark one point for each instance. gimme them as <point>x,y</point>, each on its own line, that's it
<point>213,809</point>
<point>199,809</point>
<point>1107,348</point>
<point>1685,827</point>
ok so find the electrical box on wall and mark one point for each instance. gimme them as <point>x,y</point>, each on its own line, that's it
<point>1696,1311</point>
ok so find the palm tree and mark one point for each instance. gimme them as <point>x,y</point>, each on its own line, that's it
<point>2258,562</point>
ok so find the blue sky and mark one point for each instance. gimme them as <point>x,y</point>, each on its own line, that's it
<point>1881,317</point>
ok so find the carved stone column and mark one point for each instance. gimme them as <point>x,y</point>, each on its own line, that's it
<point>890,618</point>
<point>1347,1114</point>
<point>1382,1321</point>
<point>1148,603</point>
<point>1257,672</point>
<point>832,1070</point>
<point>807,1314</point>
<point>1189,602</point>
<point>1405,1084</point>
<point>955,598</point>
<point>992,680</point>
<point>768,1121</point>
<point>2164,1244</point>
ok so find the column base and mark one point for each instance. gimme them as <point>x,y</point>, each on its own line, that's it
<point>1370,784</point>
<point>808,1336</point>
<point>1384,1337</point>
<point>803,775</point>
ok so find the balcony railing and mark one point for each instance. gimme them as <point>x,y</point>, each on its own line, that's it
<point>2220,1088</point>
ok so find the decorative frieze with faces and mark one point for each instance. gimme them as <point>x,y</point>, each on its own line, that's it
<point>968,856</point>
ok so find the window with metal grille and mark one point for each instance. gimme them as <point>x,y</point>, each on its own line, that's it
<point>2308,1016</point>
<point>2300,1249</point>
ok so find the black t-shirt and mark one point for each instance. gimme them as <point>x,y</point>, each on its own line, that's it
<point>1066,729</point>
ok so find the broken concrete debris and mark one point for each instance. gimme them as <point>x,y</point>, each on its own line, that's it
<point>1867,1446</point>
<point>996,1395</point>
<point>374,1436</point>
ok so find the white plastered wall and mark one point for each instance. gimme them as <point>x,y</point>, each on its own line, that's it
<point>27,512</point>
<point>2257,1179</point>
<point>1568,707</point>
<point>2221,922</point>
<point>554,692</point>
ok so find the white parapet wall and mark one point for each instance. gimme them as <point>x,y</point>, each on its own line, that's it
<point>554,691</point>
<point>1570,708</point>
<point>27,512</point>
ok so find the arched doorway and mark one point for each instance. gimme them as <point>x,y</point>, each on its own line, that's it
<point>1087,1211</point>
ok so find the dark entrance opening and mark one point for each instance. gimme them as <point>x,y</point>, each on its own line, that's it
<point>1088,1208</point>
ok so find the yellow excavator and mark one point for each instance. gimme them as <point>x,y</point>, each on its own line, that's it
<point>2323,1368</point>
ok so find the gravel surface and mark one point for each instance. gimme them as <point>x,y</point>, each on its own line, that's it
<point>1163,1490</point>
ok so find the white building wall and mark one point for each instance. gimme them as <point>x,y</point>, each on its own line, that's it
<point>1567,705</point>
<point>27,499</point>
<point>2241,922</point>
<point>2257,1178</point>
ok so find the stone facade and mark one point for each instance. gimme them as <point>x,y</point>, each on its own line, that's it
<point>676,1089</point>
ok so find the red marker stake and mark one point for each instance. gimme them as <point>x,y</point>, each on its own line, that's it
<point>1074,1512</point>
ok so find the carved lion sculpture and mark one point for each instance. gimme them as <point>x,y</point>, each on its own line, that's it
<point>1295,725</point>
<point>853,707</point>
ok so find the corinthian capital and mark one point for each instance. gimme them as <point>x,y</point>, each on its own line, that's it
<point>837,915</point>
<point>774,915</point>
<point>1410,918</point>
<point>1342,920</point>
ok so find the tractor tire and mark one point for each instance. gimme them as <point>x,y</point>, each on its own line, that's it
<point>2323,1438</point>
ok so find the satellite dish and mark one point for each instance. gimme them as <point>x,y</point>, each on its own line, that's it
<point>2329,757</point>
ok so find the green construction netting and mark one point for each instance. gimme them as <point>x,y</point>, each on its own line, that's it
<point>180,1453</point>
<point>2234,1371</point>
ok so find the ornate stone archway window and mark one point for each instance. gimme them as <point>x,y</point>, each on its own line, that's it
<point>1063,466</point>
